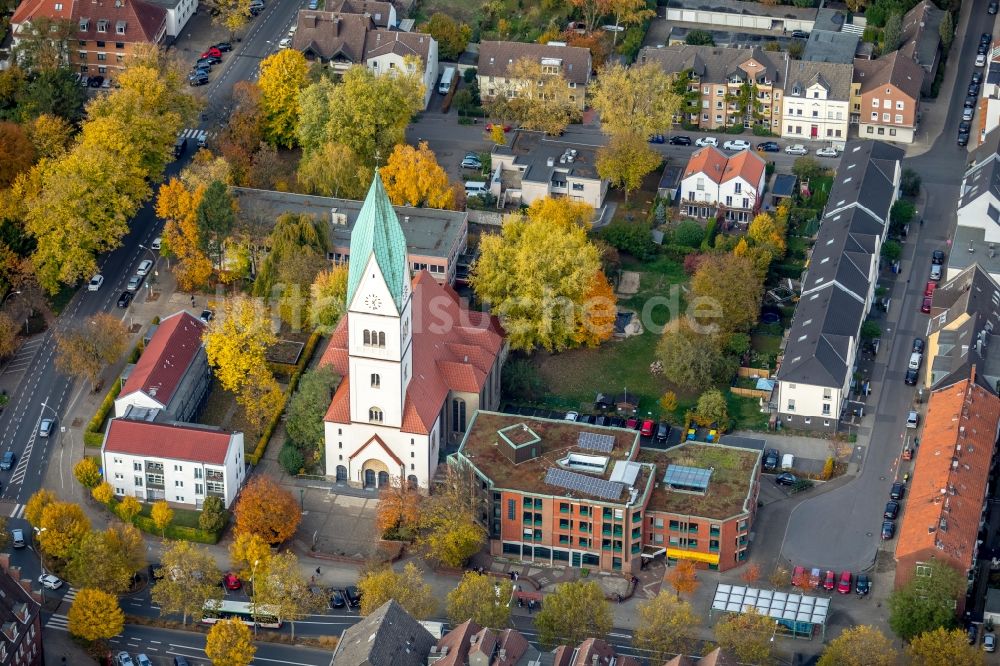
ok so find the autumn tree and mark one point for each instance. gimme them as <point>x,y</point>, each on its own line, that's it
<point>535,274</point>
<point>591,11</point>
<point>398,507</point>
<point>17,153</point>
<point>712,409</point>
<point>449,531</point>
<point>765,231</point>
<point>230,643</point>
<point>333,170</point>
<point>412,177</point>
<point>639,100</point>
<point>746,635</point>
<point>285,590</point>
<point>103,492</point>
<point>36,504</point>
<point>87,472</point>
<point>8,335</point>
<point>329,298</point>
<point>751,574</point>
<point>780,577</point>
<point>237,340</point>
<point>129,508</point>
<point>941,646</point>
<point>536,99</point>
<point>683,577</point>
<point>626,160</point>
<point>731,289</point>
<point>862,645</point>
<point>86,350</point>
<point>107,560</point>
<point>304,418</point>
<point>249,554</point>
<point>162,516</point>
<point>452,37</point>
<point>268,510</point>
<point>298,246</point>
<point>572,613</point>
<point>189,578</point>
<point>666,627</point>
<point>242,136</point>
<point>62,527</point>
<point>926,603</point>
<point>668,401</point>
<point>232,15</point>
<point>629,12</point>
<point>483,599</point>
<point>43,43</point>
<point>407,587</point>
<point>691,357</point>
<point>95,615</point>
<point>283,75</point>
<point>182,236</point>
<point>261,398</point>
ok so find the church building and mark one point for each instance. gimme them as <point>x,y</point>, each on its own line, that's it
<point>415,363</point>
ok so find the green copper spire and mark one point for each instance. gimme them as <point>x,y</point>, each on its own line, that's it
<point>377,232</point>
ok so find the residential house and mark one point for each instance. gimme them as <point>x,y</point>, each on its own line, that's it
<point>382,14</point>
<point>435,239</point>
<point>415,363</point>
<point>727,86</point>
<point>179,12</point>
<point>838,289</point>
<point>743,15</point>
<point>921,40</point>
<point>817,102</point>
<point>988,117</point>
<point>833,38</point>
<point>534,166</point>
<point>977,234</point>
<point>106,34</point>
<point>947,497</point>
<point>573,63</point>
<point>885,98</point>
<point>21,641</point>
<point>388,636</point>
<point>714,658</point>
<point>469,644</point>
<point>715,185</point>
<point>172,374</point>
<point>342,40</point>
<point>150,458</point>
<point>572,494</point>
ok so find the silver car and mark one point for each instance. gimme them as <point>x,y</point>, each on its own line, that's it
<point>134,283</point>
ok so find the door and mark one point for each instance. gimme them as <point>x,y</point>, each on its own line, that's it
<point>341,473</point>
<point>383,479</point>
<point>813,132</point>
<point>369,478</point>
<point>575,559</point>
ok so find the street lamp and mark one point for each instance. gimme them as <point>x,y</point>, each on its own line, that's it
<point>14,293</point>
<point>41,564</point>
<point>253,600</point>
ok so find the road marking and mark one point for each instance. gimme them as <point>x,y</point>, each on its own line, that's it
<point>18,511</point>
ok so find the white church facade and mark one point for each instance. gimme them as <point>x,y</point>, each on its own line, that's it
<point>415,364</point>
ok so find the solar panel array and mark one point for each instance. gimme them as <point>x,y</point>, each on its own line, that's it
<point>589,485</point>
<point>776,605</point>
<point>593,441</point>
<point>687,477</point>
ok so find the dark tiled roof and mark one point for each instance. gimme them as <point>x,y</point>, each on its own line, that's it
<point>387,637</point>
<point>332,36</point>
<point>381,42</point>
<point>19,612</point>
<point>921,36</point>
<point>379,12</point>
<point>828,46</point>
<point>716,64</point>
<point>495,57</point>
<point>835,77</point>
<point>894,69</point>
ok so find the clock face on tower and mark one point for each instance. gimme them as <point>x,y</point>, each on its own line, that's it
<point>373,302</point>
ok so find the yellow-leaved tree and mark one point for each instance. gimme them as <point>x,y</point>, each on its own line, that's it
<point>237,340</point>
<point>283,75</point>
<point>249,554</point>
<point>230,643</point>
<point>407,587</point>
<point>412,177</point>
<point>36,505</point>
<point>666,625</point>
<point>635,100</point>
<point>596,322</point>
<point>95,615</point>
<point>535,98</point>
<point>333,170</point>
<point>162,515</point>
<point>329,298</point>
<point>178,205</point>
<point>865,645</point>
<point>61,528</point>
<point>626,160</point>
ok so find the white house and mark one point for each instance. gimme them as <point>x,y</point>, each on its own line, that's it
<point>387,51</point>
<point>977,234</point>
<point>415,363</point>
<point>178,14</point>
<point>817,102</point>
<point>714,182</point>
<point>181,463</point>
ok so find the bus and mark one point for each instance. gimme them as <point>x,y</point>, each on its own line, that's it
<point>240,610</point>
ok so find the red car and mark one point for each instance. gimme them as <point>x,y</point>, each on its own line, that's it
<point>506,127</point>
<point>925,307</point>
<point>232,581</point>
<point>211,53</point>
<point>844,586</point>
<point>929,288</point>
<point>632,423</point>
<point>829,581</point>
<point>647,428</point>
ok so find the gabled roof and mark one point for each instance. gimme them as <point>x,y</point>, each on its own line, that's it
<point>380,12</point>
<point>173,441</point>
<point>893,69</point>
<point>377,232</point>
<point>21,610</point>
<point>403,44</point>
<point>377,441</point>
<point>819,348</point>
<point>983,175</point>
<point>456,644</point>
<point>944,502</point>
<point>386,637</point>
<point>332,35</point>
<point>708,161</point>
<point>132,21</point>
<point>496,57</point>
<point>921,34</point>
<point>167,357</point>
<point>745,164</point>
<point>833,76</point>
<point>715,64</point>
<point>28,9</point>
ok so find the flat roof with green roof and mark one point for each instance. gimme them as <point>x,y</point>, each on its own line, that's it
<point>733,473</point>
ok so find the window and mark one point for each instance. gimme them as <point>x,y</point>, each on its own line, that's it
<point>885,117</point>
<point>137,466</point>
<point>84,27</point>
<point>511,509</point>
<point>826,409</point>
<point>739,188</point>
<point>791,405</point>
<point>827,393</point>
<point>892,131</point>
<point>815,113</point>
<point>699,184</point>
<point>199,489</point>
<point>178,484</point>
<point>887,104</point>
<point>197,472</point>
<point>375,415</point>
<point>874,103</point>
<point>178,468</point>
<point>102,57</point>
<point>102,25</point>
<point>120,27</point>
<point>578,187</point>
<point>100,44</point>
<point>899,105</point>
<point>874,116</point>
<point>458,415</point>
<point>376,380</point>
<point>119,45</point>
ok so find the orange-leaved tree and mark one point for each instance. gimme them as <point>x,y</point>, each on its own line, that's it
<point>683,578</point>
<point>413,177</point>
<point>268,510</point>
<point>398,507</point>
<point>597,312</point>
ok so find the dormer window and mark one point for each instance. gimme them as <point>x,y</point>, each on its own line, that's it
<point>84,24</point>
<point>120,27</point>
<point>795,90</point>
<point>21,613</point>
<point>102,25</point>
<point>58,6</point>
<point>9,630</point>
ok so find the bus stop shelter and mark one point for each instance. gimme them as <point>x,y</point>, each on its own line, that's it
<point>795,615</point>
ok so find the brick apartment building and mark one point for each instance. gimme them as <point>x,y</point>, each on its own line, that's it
<point>567,493</point>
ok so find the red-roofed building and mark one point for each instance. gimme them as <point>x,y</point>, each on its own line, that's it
<point>730,188</point>
<point>946,499</point>
<point>415,363</point>
<point>182,463</point>
<point>172,375</point>
<point>104,34</point>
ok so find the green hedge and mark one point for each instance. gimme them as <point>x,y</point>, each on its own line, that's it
<point>180,532</point>
<point>293,382</point>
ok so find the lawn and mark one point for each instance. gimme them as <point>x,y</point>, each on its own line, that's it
<point>223,411</point>
<point>182,517</point>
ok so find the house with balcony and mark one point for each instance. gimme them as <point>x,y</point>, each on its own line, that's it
<point>535,166</point>
<point>817,102</point>
<point>717,186</point>
<point>885,98</point>
<point>572,63</point>
<point>727,86</point>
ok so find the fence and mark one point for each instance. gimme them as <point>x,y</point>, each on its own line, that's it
<point>486,217</point>
<point>750,393</point>
<point>753,373</point>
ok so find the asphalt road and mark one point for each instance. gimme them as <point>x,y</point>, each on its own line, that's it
<point>841,529</point>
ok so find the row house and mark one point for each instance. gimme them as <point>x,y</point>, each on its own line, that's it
<point>731,188</point>
<point>727,86</point>
<point>885,98</point>
<point>817,102</point>
<point>572,63</point>
<point>977,231</point>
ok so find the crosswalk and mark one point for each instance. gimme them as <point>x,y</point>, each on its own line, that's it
<point>57,620</point>
<point>199,135</point>
<point>18,511</point>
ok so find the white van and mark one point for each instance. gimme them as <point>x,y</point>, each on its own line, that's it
<point>787,461</point>
<point>447,78</point>
<point>475,188</point>
<point>915,359</point>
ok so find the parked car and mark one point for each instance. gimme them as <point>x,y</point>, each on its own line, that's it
<point>973,634</point>
<point>829,151</point>
<point>977,77</point>
<point>657,138</point>
<point>937,257</point>
<point>768,147</point>
<point>786,479</point>
<point>897,491</point>
<point>973,89</point>
<point>935,272</point>
<point>925,305</point>
<point>771,457</point>
<point>181,661</point>
<point>736,144</point>
<point>800,34</point>
<point>198,79</point>
<point>911,377</point>
<point>970,102</point>
<point>156,244</point>
<point>918,344</point>
<point>704,141</point>
<point>231,581</point>
<point>662,431</point>
<point>143,660</point>
<point>125,299</point>
<point>313,4</point>
<point>799,578</point>
<point>17,535</point>
<point>844,584</point>
<point>967,113</point>
<point>888,530</point>
<point>964,127</point>
<point>829,580</point>
<point>891,510</point>
<point>989,640</point>
<point>647,428</point>
<point>986,38</point>
<point>285,42</point>
<point>95,282</point>
<point>212,52</point>
<point>7,461</point>
<point>679,141</point>
<point>617,422</point>
<point>912,419</point>
<point>95,81</point>
<point>796,149</point>
<point>506,127</point>
<point>134,283</point>
<point>223,47</point>
<point>991,9</point>
<point>814,577</point>
<point>353,596</point>
<point>632,423</point>
<point>572,416</point>
<point>472,163</point>
<point>45,427</point>
<point>863,585</point>
<point>50,582</point>
<point>337,599</point>
<point>124,659</point>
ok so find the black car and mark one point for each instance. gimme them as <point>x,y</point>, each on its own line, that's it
<point>771,459</point>
<point>891,510</point>
<point>977,77</point>
<point>897,491</point>
<point>181,661</point>
<point>587,418</point>
<point>125,299</point>
<point>982,49</point>
<point>95,81</point>
<point>353,596</point>
<point>970,102</point>
<point>800,34</point>
<point>601,420</point>
<point>963,138</point>
<point>768,147</point>
<point>180,145</point>
<point>964,127</point>
<point>918,345</point>
<point>617,422</point>
<point>786,479</point>
<point>679,141</point>
<point>986,38</point>
<point>888,530</point>
<point>337,599</point>
<point>198,79</point>
<point>7,462</point>
<point>225,47</point>
<point>993,7</point>
<point>973,634</point>
<point>863,584</point>
<point>973,89</point>
<point>937,257</point>
<point>662,431</point>
<point>210,59</point>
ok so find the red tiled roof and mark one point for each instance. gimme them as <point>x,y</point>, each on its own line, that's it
<point>709,161</point>
<point>515,645</point>
<point>166,358</point>
<point>144,22</point>
<point>164,440</point>
<point>457,641</point>
<point>32,8</point>
<point>453,349</point>
<point>950,476</point>
<point>745,164</point>
<point>594,652</point>
<point>375,439</point>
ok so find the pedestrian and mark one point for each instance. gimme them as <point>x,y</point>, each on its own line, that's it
<point>317,571</point>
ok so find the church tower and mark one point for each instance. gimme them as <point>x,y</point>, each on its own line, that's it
<point>380,317</point>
